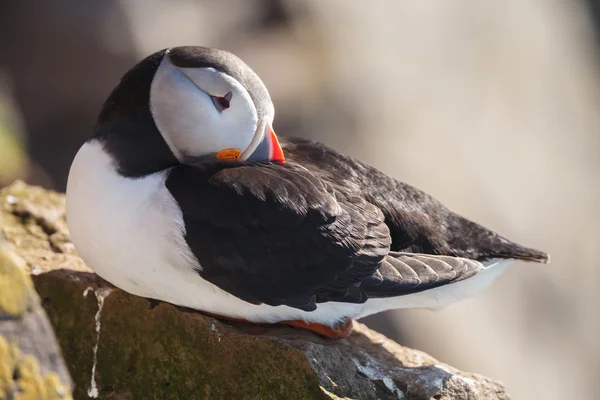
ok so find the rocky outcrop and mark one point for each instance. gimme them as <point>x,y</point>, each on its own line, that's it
<point>31,366</point>
<point>120,346</point>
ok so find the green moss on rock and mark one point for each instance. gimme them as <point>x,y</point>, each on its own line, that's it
<point>199,360</point>
<point>72,316</point>
<point>16,287</point>
<point>164,352</point>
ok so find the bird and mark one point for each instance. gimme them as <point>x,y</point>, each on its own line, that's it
<point>183,193</point>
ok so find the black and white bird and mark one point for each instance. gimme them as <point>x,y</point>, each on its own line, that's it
<point>184,194</point>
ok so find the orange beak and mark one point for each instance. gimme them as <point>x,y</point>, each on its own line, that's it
<point>275,151</point>
<point>264,147</point>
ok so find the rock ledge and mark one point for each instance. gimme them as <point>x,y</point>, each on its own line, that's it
<point>120,346</point>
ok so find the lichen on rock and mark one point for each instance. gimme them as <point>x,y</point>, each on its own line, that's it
<point>15,285</point>
<point>137,348</point>
<point>26,339</point>
<point>20,377</point>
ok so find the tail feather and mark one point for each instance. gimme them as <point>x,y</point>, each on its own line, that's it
<point>481,243</point>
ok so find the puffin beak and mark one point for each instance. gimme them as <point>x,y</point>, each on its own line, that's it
<point>264,147</point>
<point>276,153</point>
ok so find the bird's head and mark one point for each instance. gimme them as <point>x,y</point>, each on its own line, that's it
<point>188,105</point>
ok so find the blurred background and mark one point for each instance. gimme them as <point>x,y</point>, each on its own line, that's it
<point>491,107</point>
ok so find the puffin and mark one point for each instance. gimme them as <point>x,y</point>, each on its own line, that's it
<point>183,193</point>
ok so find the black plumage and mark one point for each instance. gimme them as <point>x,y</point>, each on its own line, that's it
<point>126,127</point>
<point>418,223</point>
<point>324,227</point>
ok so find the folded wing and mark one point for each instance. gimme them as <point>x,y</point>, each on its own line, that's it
<point>418,223</point>
<point>277,234</point>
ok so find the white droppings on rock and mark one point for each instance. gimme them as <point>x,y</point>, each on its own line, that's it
<point>60,391</point>
<point>464,381</point>
<point>389,383</point>
<point>437,383</point>
<point>36,270</point>
<point>10,199</point>
<point>101,294</point>
<point>68,247</point>
<point>375,374</point>
<point>215,330</point>
<point>331,381</point>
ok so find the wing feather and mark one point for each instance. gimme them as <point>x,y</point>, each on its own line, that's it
<point>418,223</point>
<point>278,234</point>
<point>406,273</point>
<point>321,228</point>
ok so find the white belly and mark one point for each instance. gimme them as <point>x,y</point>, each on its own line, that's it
<point>131,233</point>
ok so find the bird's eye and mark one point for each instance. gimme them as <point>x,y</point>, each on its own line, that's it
<point>222,103</point>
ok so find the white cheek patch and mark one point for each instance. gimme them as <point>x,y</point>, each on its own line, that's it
<point>241,117</point>
<point>174,104</point>
<point>187,118</point>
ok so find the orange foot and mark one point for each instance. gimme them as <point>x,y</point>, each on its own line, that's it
<point>337,332</point>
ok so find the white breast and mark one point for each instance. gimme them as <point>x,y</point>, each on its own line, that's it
<point>131,232</point>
